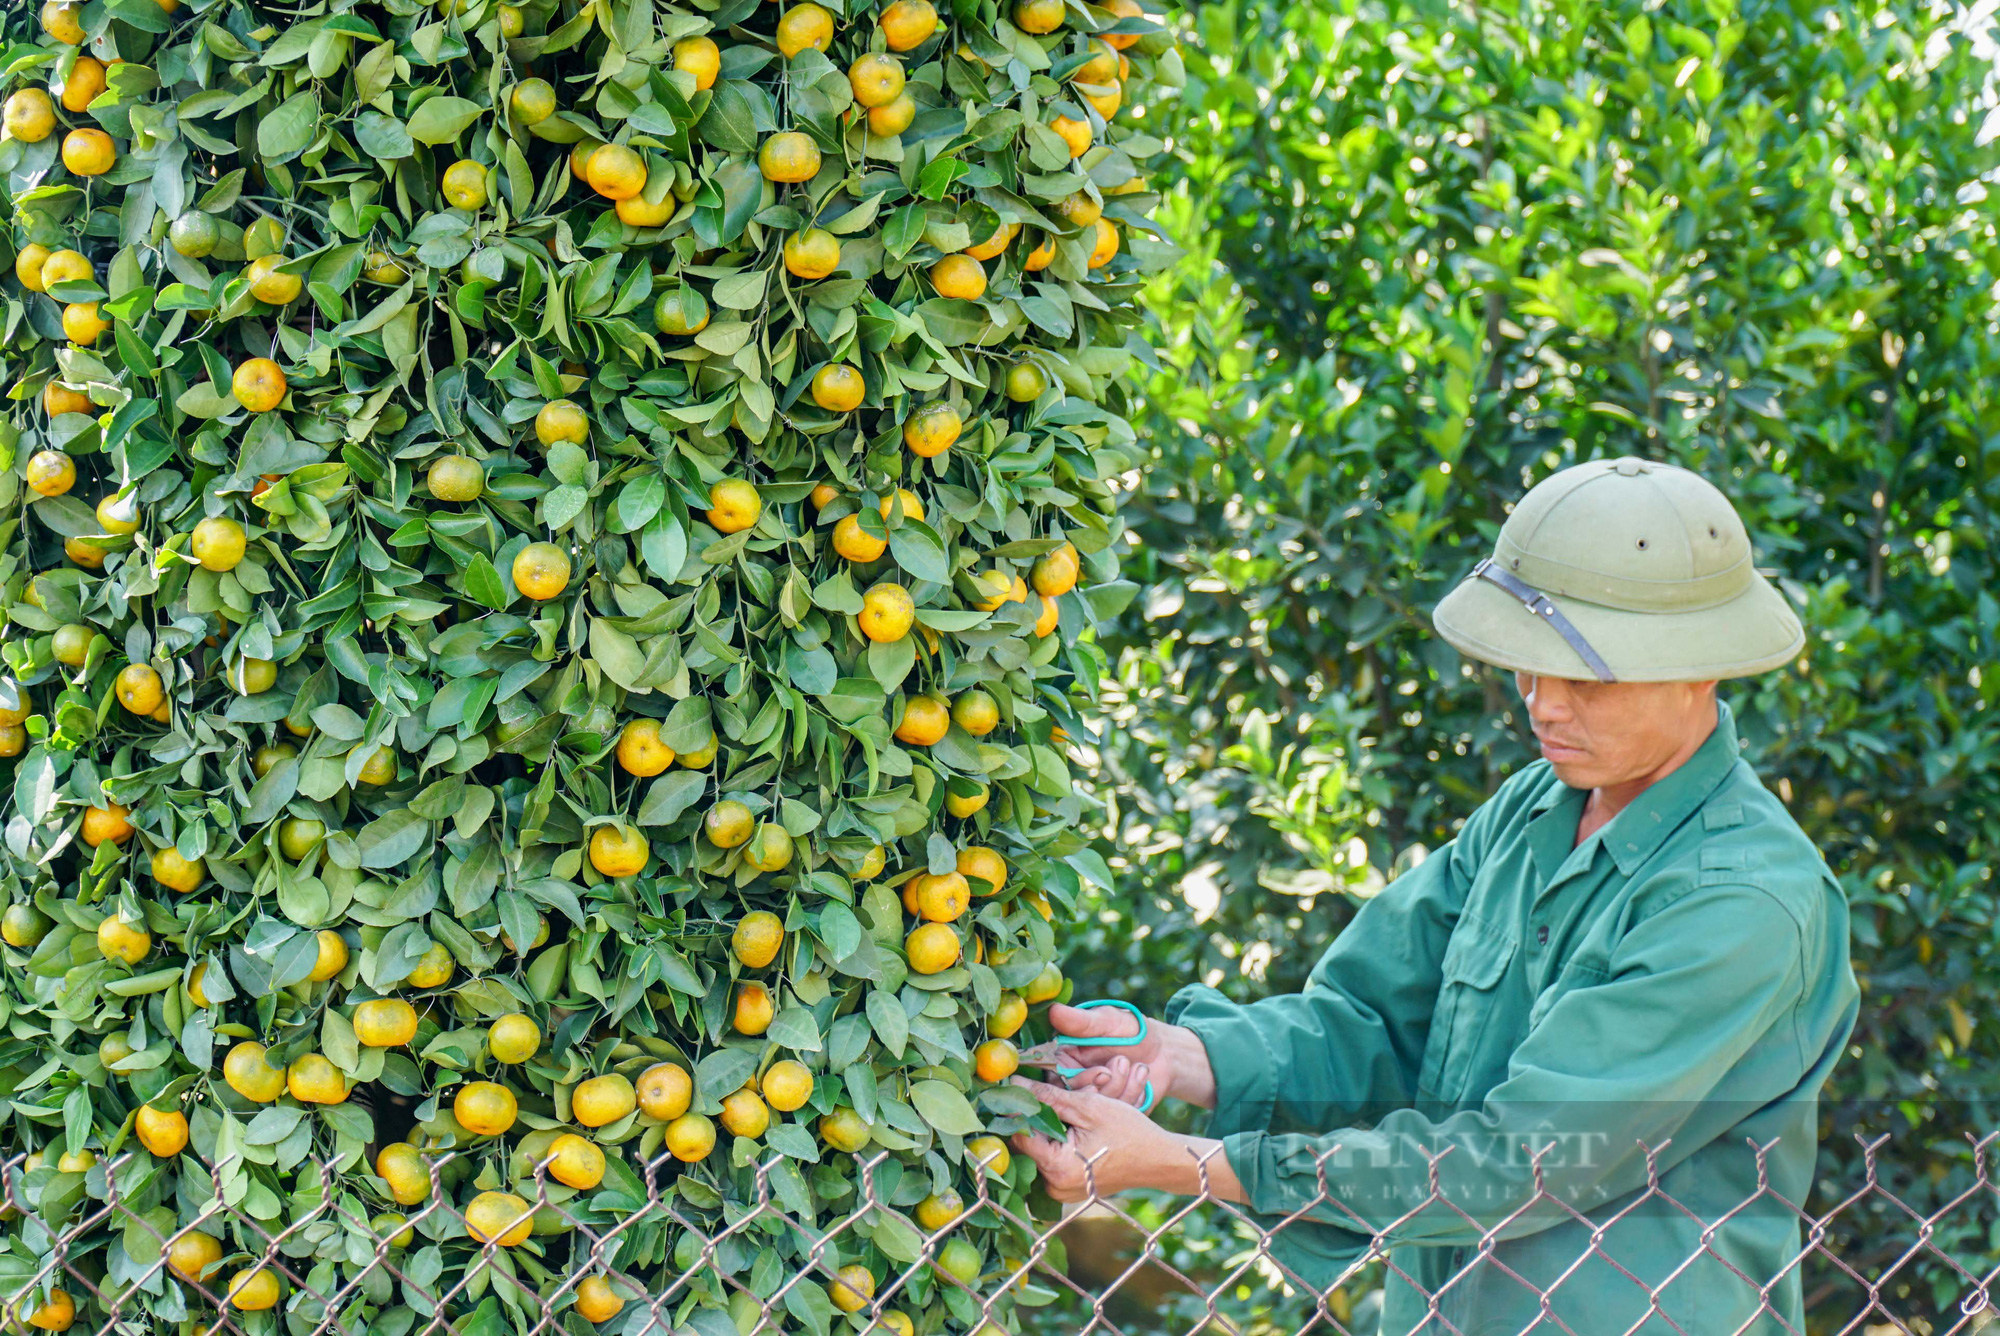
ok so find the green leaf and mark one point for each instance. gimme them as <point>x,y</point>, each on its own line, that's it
<point>440,120</point>
<point>944,1108</point>
<point>392,839</point>
<point>918,550</point>
<point>671,795</point>
<point>289,130</point>
<point>483,583</point>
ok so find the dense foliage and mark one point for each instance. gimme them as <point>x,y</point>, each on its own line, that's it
<point>1436,252</point>
<point>547,551</point>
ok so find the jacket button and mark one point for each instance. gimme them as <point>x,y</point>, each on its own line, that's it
<point>1542,935</point>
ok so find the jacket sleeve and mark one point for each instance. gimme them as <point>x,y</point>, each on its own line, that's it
<point>1695,1026</point>
<point>1353,1039</point>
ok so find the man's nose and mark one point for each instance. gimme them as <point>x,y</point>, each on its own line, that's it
<point>1548,698</point>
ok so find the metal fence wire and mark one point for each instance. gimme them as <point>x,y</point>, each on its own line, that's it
<point>99,1250</point>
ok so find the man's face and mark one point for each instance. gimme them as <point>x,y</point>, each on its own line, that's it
<point>1602,734</point>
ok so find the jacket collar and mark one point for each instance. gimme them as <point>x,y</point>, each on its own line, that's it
<point>1636,833</point>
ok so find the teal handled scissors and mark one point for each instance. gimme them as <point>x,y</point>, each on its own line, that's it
<point>1043,1055</point>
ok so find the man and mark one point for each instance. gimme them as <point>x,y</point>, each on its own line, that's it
<point>1630,950</point>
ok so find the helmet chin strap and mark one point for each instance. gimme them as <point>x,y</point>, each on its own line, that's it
<point>1535,601</point>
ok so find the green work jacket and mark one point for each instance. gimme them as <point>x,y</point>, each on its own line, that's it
<point>1645,1009</point>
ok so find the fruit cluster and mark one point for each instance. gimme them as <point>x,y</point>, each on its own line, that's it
<point>548,552</point>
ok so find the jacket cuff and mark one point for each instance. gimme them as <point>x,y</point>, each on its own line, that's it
<point>1321,1249</point>
<point>1245,1084</point>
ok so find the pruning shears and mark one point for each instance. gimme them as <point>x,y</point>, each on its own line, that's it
<point>1044,1055</point>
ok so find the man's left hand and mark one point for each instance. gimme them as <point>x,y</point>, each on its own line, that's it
<point>1122,1146</point>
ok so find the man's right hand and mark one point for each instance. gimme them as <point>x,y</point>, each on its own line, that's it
<point>1171,1057</point>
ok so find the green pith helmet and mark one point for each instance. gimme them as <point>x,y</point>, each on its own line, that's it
<point>1622,570</point>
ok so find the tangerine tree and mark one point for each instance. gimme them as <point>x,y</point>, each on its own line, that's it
<point>549,551</point>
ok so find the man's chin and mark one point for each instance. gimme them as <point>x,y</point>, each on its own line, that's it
<point>1572,767</point>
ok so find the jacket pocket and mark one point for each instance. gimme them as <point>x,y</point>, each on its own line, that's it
<point>1475,960</point>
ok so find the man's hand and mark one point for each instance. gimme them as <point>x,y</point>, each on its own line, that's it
<point>1122,1147</point>
<point>1171,1057</point>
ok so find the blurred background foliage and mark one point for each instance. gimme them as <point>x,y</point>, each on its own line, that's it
<point>1436,251</point>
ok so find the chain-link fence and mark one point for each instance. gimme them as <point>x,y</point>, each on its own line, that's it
<point>89,1247</point>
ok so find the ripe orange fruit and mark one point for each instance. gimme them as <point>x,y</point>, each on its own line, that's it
<point>690,1137</point>
<point>823,495</point>
<point>464,184</point>
<point>175,872</point>
<point>876,80</point>
<point>603,1099</point>
<point>51,473</point>
<point>962,798</point>
<point>485,1108</point>
<point>404,1169</point>
<point>578,1162</point>
<point>120,940</point>
<point>976,712</point>
<point>770,849</point>
<point>758,937</point>
<point>456,478</point>
<point>939,1210</point>
<point>106,823</point>
<point>787,1085</point>
<point>728,824</point>
<point>755,1009</point>
<point>925,721</point>
<point>1079,209</point>
<point>67,266</point>
<point>30,117</point>
<point>313,1079</point>
<point>271,286</point>
<point>1107,244</point>
<point>995,1060</point>
<point>514,1038</point>
<point>193,1254</point>
<point>838,388</point>
<point>219,543</point>
<point>1106,104</point>
<point>640,751</point>
<point>88,152</point>
<point>813,253</point>
<point>639,213</point>
<point>852,1287</point>
<point>385,1022</point>
<point>1101,68</point>
<point>932,430</point>
<point>118,514</point>
<point>618,851</point>
<point>541,571</point>
<point>1123,9</point>
<point>908,24</point>
<point>991,1154</point>
<point>665,1091</point>
<point>959,276</point>
<point>993,245</point>
<point>253,1290</point>
<point>1075,133</point>
<point>82,324</point>
<point>744,1114</point>
<point>616,172</point>
<point>377,770</point>
<point>164,1132</point>
<point>893,117</point>
<point>1054,573</point>
<point>984,869</point>
<point>246,1071</point>
<point>1051,614</point>
<point>700,57</point>
<point>871,864</point>
<point>802,26</point>
<point>596,1301</point>
<point>932,948</point>
<point>258,384</point>
<point>561,420</point>
<point>332,957</point>
<point>789,156</point>
<point>500,1218</point>
<point>28,261</point>
<point>941,897</point>
<point>844,1129</point>
<point>887,612</point>
<point>855,543</point>
<point>1038,16</point>
<point>734,505</point>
